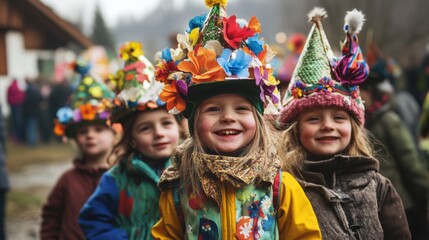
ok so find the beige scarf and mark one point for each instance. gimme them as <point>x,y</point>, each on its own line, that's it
<point>239,171</point>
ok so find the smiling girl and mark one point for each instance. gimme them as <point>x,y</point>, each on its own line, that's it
<point>226,182</point>
<point>122,207</point>
<point>328,144</point>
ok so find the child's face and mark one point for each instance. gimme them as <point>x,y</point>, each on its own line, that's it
<point>226,123</point>
<point>325,132</point>
<point>155,134</point>
<point>94,140</point>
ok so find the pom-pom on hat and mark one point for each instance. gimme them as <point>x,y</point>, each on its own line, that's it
<point>134,84</point>
<point>90,103</point>
<point>217,55</point>
<point>321,80</point>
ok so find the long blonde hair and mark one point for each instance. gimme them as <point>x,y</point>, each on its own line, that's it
<point>192,147</point>
<point>292,152</point>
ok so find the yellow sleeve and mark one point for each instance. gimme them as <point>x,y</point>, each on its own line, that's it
<point>296,217</point>
<point>168,227</point>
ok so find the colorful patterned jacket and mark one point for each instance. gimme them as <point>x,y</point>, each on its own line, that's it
<point>124,204</point>
<point>245,213</point>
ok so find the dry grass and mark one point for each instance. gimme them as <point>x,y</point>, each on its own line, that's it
<point>27,202</point>
<point>20,155</point>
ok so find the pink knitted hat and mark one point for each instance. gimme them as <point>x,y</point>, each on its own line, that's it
<point>322,80</point>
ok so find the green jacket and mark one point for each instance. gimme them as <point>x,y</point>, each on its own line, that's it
<point>125,203</point>
<point>398,155</point>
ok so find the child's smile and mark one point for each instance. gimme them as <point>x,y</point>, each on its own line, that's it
<point>226,123</point>
<point>324,132</point>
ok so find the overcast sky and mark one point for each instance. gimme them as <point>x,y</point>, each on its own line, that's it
<point>113,10</point>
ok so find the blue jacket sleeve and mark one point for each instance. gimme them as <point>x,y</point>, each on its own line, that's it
<point>97,217</point>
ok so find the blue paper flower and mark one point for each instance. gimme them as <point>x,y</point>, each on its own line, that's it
<point>65,114</point>
<point>197,22</point>
<point>166,55</point>
<point>255,44</point>
<point>235,63</point>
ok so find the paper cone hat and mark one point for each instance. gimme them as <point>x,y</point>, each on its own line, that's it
<point>217,55</point>
<point>90,103</point>
<point>134,84</point>
<point>321,80</point>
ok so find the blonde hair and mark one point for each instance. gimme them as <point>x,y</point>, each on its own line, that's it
<point>192,147</point>
<point>293,152</point>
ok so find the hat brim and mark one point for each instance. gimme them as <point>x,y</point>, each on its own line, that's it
<point>199,92</point>
<point>291,111</point>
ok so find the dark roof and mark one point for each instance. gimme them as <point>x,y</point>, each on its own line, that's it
<point>39,13</point>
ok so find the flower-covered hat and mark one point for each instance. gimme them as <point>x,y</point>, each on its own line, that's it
<point>91,103</point>
<point>320,79</point>
<point>134,84</point>
<point>218,54</point>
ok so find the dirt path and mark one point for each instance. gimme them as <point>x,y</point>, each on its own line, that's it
<point>32,177</point>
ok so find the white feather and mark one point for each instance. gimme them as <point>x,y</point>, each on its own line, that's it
<point>354,20</point>
<point>317,13</point>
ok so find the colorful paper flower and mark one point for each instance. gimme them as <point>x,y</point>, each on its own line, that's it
<point>298,89</point>
<point>171,95</point>
<point>77,115</point>
<point>163,70</point>
<point>233,33</point>
<point>266,89</point>
<point>197,22</point>
<point>59,129</point>
<point>255,44</point>
<point>130,50</point>
<point>235,63</point>
<point>203,66</point>
<point>326,84</point>
<point>166,55</point>
<point>254,25</point>
<point>211,3</point>
<point>96,91</point>
<point>117,79</point>
<point>215,46</point>
<point>88,111</point>
<point>64,114</point>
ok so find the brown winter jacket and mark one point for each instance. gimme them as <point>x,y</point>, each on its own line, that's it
<point>60,213</point>
<point>352,200</point>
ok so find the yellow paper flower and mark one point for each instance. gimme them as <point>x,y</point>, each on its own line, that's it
<point>130,50</point>
<point>203,66</point>
<point>211,3</point>
<point>193,36</point>
<point>96,91</point>
<point>88,81</point>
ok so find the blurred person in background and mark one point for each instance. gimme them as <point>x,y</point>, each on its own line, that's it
<point>4,181</point>
<point>400,159</point>
<point>44,120</point>
<point>31,113</point>
<point>58,97</point>
<point>15,99</point>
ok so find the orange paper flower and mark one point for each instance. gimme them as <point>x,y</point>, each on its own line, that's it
<point>88,111</point>
<point>255,25</point>
<point>171,96</point>
<point>203,66</point>
<point>59,129</point>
